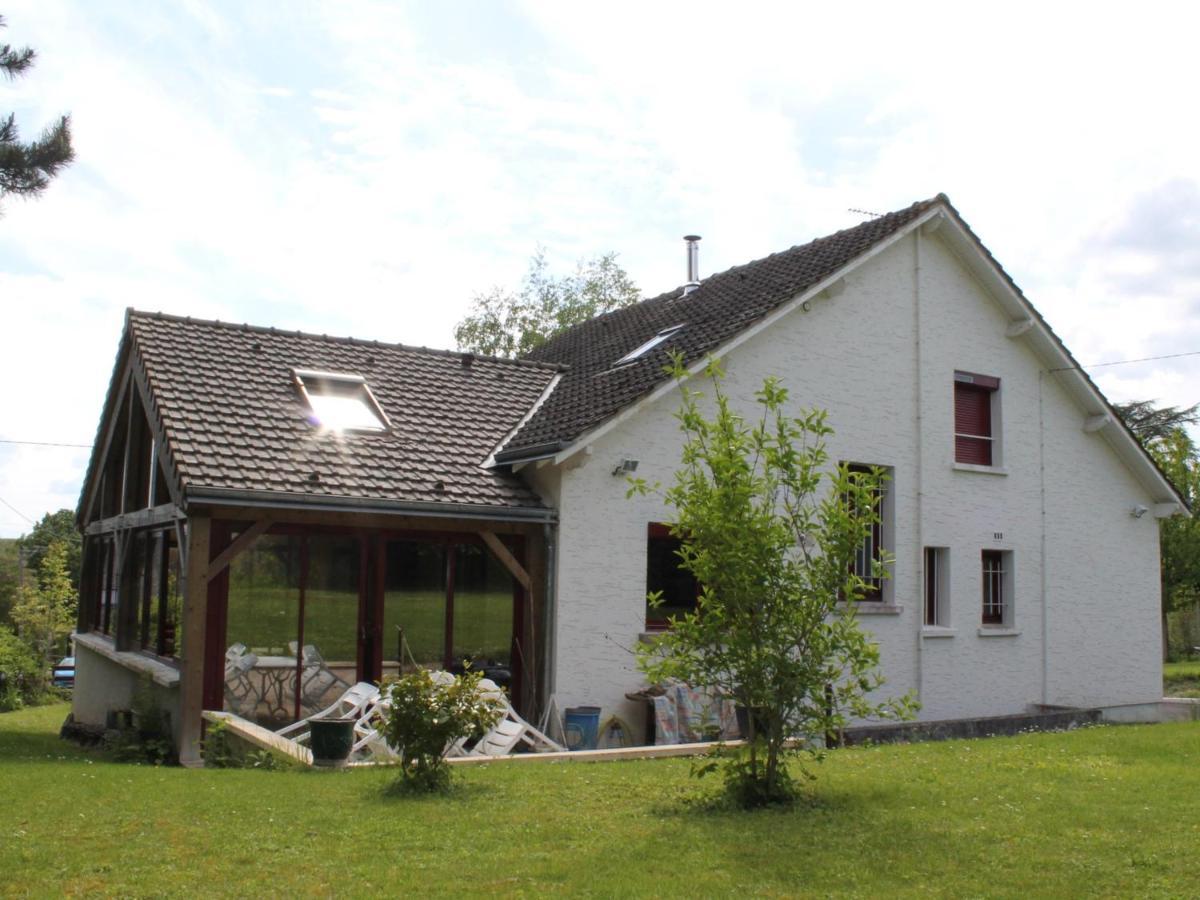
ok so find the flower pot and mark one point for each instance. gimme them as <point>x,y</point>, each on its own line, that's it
<point>331,741</point>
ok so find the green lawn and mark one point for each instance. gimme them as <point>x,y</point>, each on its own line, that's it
<point>1098,812</point>
<point>1181,679</point>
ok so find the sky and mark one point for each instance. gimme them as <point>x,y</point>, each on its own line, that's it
<point>365,168</point>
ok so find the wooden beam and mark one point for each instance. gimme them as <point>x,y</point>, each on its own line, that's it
<point>101,453</point>
<point>195,616</point>
<point>142,518</point>
<point>260,737</point>
<point>241,543</point>
<point>510,562</point>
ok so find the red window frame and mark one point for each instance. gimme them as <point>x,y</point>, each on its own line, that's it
<point>974,435</point>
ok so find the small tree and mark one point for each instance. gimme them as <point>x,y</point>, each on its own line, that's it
<point>503,323</point>
<point>55,526</point>
<point>774,555</point>
<point>427,716</point>
<point>45,613</point>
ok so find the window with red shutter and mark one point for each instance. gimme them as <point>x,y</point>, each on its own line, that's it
<point>973,435</point>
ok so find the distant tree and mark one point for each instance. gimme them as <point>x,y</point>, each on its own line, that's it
<point>45,612</point>
<point>10,577</point>
<point>507,323</point>
<point>1162,432</point>
<point>1151,423</point>
<point>26,169</point>
<point>57,526</point>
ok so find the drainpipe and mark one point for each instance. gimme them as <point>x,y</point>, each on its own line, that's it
<point>920,549</point>
<point>1042,489</point>
<point>548,535</point>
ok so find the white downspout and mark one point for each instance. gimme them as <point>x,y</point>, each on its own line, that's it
<point>920,548</point>
<point>1042,491</point>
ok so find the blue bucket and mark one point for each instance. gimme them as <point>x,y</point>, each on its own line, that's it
<point>582,727</point>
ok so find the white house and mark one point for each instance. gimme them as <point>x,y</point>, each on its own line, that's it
<point>474,507</point>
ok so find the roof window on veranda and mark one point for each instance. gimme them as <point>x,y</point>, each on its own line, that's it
<point>340,401</point>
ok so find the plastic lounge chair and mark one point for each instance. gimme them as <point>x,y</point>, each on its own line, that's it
<point>353,703</point>
<point>369,742</point>
<point>316,678</point>
<point>238,686</point>
<point>510,731</point>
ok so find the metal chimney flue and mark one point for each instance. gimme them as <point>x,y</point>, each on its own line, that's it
<point>693,262</point>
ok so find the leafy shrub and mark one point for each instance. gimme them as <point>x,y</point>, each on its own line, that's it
<point>222,750</point>
<point>148,737</point>
<point>22,682</point>
<point>427,716</point>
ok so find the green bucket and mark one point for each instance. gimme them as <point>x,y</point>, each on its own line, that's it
<point>331,741</point>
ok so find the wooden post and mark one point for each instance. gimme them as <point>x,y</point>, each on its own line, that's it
<point>535,564</point>
<point>195,619</point>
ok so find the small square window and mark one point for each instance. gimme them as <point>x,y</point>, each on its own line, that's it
<point>997,588</point>
<point>340,402</point>
<point>937,587</point>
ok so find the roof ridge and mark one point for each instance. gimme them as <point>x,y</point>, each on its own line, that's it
<point>132,313</point>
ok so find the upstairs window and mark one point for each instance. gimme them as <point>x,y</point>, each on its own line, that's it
<point>975,419</point>
<point>340,402</point>
<point>645,348</point>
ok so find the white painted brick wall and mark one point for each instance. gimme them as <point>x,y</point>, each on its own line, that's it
<point>856,355</point>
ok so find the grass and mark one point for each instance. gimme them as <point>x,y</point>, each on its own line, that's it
<point>1181,679</point>
<point>1096,812</point>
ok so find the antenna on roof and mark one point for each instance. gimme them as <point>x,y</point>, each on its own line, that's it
<point>865,212</point>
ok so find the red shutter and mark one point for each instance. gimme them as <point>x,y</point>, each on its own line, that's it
<point>972,424</point>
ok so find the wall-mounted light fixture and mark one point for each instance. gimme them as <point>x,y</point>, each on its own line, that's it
<point>1138,511</point>
<point>626,467</point>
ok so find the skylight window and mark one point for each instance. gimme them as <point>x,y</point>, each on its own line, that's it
<point>649,345</point>
<point>340,402</point>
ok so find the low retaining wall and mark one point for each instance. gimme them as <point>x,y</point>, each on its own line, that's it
<point>1058,719</point>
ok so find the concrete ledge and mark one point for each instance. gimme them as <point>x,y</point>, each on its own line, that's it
<point>1168,709</point>
<point>160,673</point>
<point>989,726</point>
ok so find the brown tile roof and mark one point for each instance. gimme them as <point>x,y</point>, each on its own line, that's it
<point>233,420</point>
<point>724,304</point>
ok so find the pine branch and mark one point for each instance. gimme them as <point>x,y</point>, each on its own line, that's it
<point>13,62</point>
<point>26,169</point>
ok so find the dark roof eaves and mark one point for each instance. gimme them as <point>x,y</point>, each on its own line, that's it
<point>216,496</point>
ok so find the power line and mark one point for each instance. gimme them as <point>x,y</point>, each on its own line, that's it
<point>17,511</point>
<point>1125,362</point>
<point>44,443</point>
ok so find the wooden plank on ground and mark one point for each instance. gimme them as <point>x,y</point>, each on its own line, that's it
<point>653,751</point>
<point>260,737</point>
